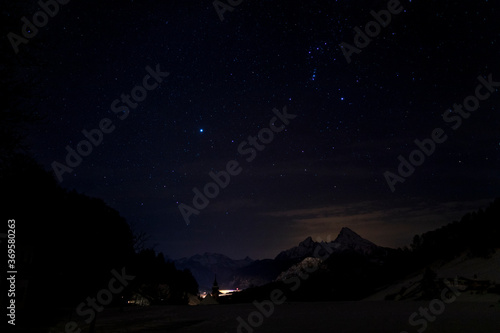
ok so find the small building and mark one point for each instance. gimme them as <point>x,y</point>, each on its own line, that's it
<point>139,299</point>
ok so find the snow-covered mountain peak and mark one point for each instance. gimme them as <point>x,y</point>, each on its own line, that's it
<point>346,240</point>
<point>349,240</point>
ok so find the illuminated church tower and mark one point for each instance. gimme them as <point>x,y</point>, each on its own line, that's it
<point>215,289</point>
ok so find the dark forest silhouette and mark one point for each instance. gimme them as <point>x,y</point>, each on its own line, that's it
<point>68,243</point>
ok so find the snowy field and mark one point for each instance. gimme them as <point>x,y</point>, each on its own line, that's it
<point>362,317</point>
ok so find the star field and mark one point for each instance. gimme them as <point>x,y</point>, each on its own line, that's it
<point>353,119</point>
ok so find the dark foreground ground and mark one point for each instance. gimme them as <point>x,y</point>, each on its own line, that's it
<point>362,317</point>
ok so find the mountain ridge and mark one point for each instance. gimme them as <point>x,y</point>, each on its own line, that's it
<point>346,240</point>
<point>243,273</point>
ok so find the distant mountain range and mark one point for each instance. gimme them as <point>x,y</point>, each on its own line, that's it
<point>244,273</point>
<point>353,268</point>
<point>205,267</point>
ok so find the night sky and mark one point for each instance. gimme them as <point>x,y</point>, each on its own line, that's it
<point>323,170</point>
